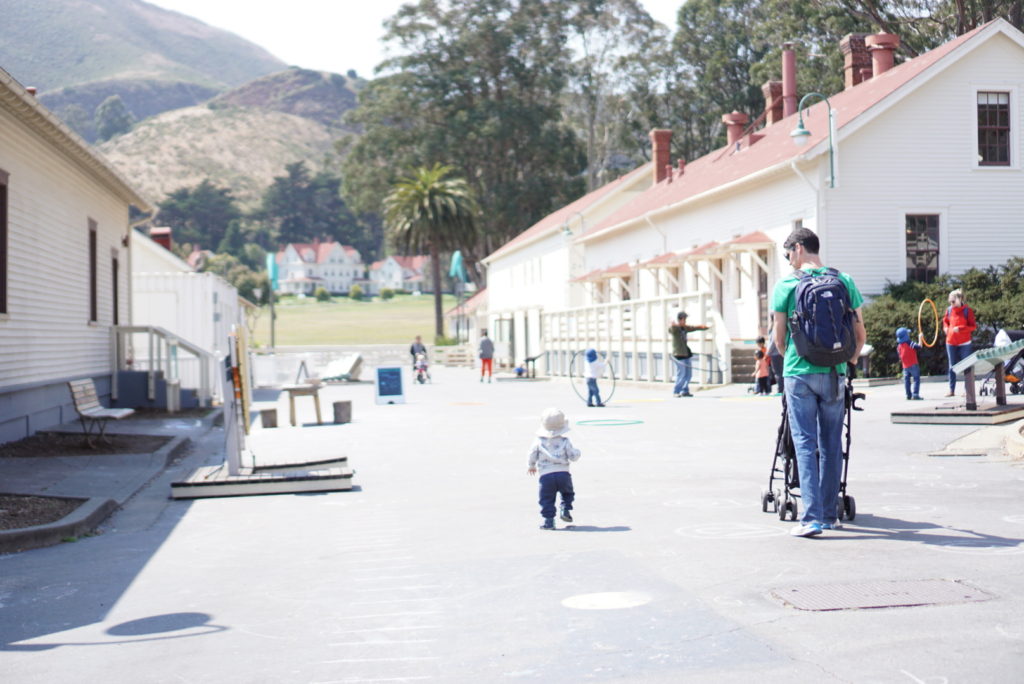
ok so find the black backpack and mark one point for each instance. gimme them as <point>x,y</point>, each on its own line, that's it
<point>822,322</point>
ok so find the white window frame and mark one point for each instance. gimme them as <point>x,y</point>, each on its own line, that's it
<point>1015,126</point>
<point>943,214</point>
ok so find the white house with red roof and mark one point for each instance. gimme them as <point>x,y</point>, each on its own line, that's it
<point>304,267</point>
<point>922,175</point>
<point>536,271</point>
<point>408,273</point>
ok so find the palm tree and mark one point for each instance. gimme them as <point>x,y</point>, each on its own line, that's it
<point>428,210</point>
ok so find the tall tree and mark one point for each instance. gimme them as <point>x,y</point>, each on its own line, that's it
<point>478,83</point>
<point>431,211</point>
<point>200,215</point>
<point>112,118</point>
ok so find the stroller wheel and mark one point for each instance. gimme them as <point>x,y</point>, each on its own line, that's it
<point>850,507</point>
<point>793,510</point>
<point>781,510</point>
<point>765,495</point>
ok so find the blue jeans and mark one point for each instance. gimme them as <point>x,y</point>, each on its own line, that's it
<point>552,484</point>
<point>956,354</point>
<point>684,371</point>
<point>816,406</point>
<point>593,396</point>
<point>913,373</point>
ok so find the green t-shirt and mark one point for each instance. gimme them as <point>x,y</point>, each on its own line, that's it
<point>784,301</point>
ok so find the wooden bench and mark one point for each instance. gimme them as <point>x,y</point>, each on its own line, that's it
<point>90,412</point>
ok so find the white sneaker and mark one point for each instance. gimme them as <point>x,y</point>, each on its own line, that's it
<point>811,529</point>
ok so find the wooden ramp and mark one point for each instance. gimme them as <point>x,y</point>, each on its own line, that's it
<point>959,414</point>
<point>212,481</point>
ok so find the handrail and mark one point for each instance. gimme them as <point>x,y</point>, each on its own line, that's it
<point>162,347</point>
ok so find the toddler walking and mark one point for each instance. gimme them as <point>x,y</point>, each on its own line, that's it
<point>551,454</point>
<point>761,373</point>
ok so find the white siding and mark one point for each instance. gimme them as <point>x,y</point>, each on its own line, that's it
<point>919,158</point>
<point>47,334</point>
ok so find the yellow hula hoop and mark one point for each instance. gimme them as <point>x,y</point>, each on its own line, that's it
<point>920,329</point>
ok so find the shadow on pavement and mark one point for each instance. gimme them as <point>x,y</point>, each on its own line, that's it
<point>867,526</point>
<point>594,528</point>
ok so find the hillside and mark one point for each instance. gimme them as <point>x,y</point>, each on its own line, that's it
<point>237,147</point>
<point>316,95</point>
<point>51,44</point>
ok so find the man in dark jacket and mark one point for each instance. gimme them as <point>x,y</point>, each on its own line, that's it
<point>681,353</point>
<point>486,349</point>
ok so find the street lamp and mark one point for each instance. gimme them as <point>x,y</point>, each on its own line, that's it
<point>800,134</point>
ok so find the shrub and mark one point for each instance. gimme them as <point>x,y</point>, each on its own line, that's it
<point>387,293</point>
<point>322,295</point>
<point>995,293</point>
<point>442,341</point>
<point>355,292</point>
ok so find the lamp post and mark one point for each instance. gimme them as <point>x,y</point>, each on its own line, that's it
<point>800,134</point>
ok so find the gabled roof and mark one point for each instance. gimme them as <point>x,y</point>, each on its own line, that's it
<point>475,302</point>
<point>680,257</point>
<point>773,150</point>
<point>412,263</point>
<point>623,269</point>
<point>562,217</point>
<point>314,253</point>
<point>23,105</point>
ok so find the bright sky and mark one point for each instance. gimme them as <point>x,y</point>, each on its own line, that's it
<point>328,35</point>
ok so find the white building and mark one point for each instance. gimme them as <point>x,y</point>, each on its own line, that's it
<point>304,267</point>
<point>64,264</point>
<point>914,194</point>
<point>406,273</point>
<point>198,308</point>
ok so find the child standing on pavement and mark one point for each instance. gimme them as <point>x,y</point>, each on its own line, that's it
<point>551,454</point>
<point>908,357</point>
<point>592,370</point>
<point>761,372</point>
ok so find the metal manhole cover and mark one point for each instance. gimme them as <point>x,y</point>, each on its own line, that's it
<point>891,594</point>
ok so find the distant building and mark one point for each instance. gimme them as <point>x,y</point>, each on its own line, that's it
<point>304,267</point>
<point>409,273</point>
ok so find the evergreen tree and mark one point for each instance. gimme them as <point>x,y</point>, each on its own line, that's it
<point>112,118</point>
<point>199,215</point>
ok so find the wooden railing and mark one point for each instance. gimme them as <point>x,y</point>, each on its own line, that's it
<point>634,336</point>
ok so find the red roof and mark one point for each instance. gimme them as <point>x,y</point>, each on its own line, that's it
<point>470,305</point>
<point>679,257</point>
<point>774,147</point>
<point>316,252</point>
<point>566,214</point>
<point>412,263</point>
<point>623,269</point>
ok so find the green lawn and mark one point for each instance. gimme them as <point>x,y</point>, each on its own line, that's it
<point>343,321</point>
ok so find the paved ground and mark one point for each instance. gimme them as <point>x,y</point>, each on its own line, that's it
<point>434,569</point>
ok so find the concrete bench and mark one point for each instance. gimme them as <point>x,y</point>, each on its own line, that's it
<point>91,413</point>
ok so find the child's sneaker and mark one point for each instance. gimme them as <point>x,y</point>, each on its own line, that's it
<point>566,515</point>
<point>917,397</point>
<point>549,524</point>
<point>811,529</point>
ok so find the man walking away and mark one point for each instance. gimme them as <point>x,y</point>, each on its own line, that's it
<point>486,349</point>
<point>819,327</point>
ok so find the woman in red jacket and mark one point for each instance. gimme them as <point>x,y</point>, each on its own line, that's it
<point>958,324</point>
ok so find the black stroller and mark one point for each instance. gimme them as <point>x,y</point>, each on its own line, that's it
<point>784,467</point>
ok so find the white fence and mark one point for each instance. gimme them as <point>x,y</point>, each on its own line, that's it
<point>634,336</point>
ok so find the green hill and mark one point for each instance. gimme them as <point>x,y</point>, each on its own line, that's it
<point>317,95</point>
<point>51,44</point>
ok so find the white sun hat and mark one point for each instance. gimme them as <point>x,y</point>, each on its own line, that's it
<point>553,423</point>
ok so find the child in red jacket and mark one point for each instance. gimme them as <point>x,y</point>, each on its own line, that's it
<point>958,324</point>
<point>908,357</point>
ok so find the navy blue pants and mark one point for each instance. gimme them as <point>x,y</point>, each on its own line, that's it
<point>593,395</point>
<point>552,484</point>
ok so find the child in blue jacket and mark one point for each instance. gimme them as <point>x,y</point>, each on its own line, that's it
<point>908,357</point>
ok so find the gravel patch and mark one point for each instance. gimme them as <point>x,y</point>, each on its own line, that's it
<point>18,511</point>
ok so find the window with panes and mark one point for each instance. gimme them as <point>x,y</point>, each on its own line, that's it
<point>993,129</point>
<point>922,247</point>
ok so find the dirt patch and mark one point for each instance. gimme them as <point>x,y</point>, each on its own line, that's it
<point>25,511</point>
<point>50,445</point>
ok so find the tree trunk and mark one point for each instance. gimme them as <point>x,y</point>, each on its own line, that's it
<point>435,271</point>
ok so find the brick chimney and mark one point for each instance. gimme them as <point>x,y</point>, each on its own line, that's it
<point>772,101</point>
<point>681,164</point>
<point>856,58</point>
<point>882,47</point>
<point>31,90</point>
<point>161,236</point>
<point>661,150</point>
<point>788,80</point>
<point>734,125</point>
